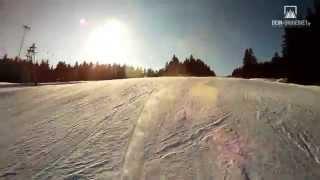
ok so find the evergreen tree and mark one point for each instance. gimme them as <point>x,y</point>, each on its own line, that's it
<point>249,58</point>
<point>301,51</point>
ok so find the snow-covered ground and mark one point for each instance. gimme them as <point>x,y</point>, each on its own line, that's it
<point>161,129</point>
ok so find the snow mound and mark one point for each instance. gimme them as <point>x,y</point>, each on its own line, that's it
<point>161,128</point>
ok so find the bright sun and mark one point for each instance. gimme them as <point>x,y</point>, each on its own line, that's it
<point>112,42</point>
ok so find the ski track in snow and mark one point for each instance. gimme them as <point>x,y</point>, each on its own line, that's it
<point>160,129</point>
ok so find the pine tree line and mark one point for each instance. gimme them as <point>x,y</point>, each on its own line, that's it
<point>189,67</point>
<point>276,68</point>
<point>300,55</point>
<point>24,71</point>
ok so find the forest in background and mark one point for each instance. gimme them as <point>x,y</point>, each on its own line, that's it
<point>298,63</point>
<point>18,70</point>
<point>300,58</point>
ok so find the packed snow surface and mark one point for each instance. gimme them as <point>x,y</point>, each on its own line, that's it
<point>161,129</point>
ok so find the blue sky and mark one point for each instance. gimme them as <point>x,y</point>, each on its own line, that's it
<point>216,31</point>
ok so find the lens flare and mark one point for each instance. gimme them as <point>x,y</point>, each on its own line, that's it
<point>83,22</point>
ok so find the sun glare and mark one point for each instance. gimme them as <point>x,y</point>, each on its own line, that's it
<point>111,42</point>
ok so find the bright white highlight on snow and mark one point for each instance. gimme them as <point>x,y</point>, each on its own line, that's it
<point>111,41</point>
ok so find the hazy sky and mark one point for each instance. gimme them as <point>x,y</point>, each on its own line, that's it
<point>145,32</point>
